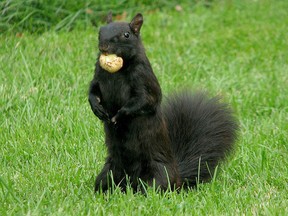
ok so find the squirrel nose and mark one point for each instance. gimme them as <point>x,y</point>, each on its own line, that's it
<point>103,47</point>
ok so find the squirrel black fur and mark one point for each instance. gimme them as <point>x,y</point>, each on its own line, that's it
<point>174,145</point>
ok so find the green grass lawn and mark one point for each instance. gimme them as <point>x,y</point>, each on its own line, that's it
<point>52,146</point>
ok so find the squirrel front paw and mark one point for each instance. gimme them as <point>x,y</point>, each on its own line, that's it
<point>98,109</point>
<point>119,115</point>
<point>116,118</point>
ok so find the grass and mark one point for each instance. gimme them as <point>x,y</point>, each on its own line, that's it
<point>39,16</point>
<point>52,145</point>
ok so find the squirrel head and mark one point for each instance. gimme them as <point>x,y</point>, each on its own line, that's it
<point>121,38</point>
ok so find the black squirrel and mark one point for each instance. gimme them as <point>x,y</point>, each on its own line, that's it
<point>174,145</point>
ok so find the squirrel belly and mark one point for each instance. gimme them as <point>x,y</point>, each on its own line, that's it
<point>173,144</point>
<point>140,147</point>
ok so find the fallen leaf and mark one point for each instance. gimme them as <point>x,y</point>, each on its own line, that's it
<point>89,11</point>
<point>178,8</point>
<point>122,16</point>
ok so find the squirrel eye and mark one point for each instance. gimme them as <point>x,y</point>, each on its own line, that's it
<point>126,35</point>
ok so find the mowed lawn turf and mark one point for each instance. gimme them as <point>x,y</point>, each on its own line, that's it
<point>52,146</point>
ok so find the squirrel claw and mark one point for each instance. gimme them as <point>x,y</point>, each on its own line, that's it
<point>113,120</point>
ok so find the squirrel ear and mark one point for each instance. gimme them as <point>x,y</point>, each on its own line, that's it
<point>109,17</point>
<point>136,23</point>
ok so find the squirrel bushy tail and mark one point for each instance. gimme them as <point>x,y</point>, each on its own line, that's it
<point>202,133</point>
